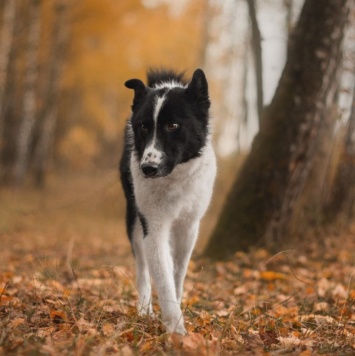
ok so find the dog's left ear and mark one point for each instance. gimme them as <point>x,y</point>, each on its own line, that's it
<point>198,87</point>
<point>140,91</point>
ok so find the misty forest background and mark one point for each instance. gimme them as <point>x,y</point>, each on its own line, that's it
<point>63,107</point>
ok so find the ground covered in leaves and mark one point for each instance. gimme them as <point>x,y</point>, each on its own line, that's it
<point>67,291</point>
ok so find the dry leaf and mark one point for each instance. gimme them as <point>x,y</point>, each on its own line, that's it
<point>272,276</point>
<point>108,329</point>
<point>58,316</point>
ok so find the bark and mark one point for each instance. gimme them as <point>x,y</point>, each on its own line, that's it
<point>260,205</point>
<point>245,113</point>
<point>29,99</point>
<point>342,197</point>
<point>257,54</point>
<point>56,61</point>
<point>288,5</point>
<point>6,39</point>
<point>13,95</point>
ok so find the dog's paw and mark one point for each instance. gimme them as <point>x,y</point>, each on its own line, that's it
<point>177,328</point>
<point>180,329</point>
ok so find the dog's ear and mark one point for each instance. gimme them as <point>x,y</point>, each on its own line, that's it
<point>197,90</point>
<point>140,91</point>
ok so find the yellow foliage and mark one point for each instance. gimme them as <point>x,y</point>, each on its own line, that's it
<point>79,147</point>
<point>112,41</point>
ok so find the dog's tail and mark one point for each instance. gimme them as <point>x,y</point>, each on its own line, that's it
<point>163,75</point>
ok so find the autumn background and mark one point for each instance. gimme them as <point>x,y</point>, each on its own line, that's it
<point>278,240</point>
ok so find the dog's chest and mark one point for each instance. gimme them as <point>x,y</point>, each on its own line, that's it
<point>187,189</point>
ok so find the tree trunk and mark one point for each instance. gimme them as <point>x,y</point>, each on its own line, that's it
<point>29,99</point>
<point>13,96</point>
<point>6,39</point>
<point>49,117</point>
<point>257,54</point>
<point>288,5</point>
<point>342,197</point>
<point>260,205</point>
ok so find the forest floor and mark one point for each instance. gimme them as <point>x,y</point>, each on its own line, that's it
<point>67,286</point>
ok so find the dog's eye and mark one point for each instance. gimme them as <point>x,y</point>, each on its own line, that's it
<point>144,128</point>
<point>172,126</point>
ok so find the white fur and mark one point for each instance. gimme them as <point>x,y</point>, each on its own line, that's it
<point>152,155</point>
<point>172,206</point>
<point>159,101</point>
<point>169,85</point>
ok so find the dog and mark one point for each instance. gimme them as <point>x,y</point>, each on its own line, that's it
<point>168,168</point>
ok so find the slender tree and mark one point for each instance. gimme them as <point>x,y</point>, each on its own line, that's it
<point>260,205</point>
<point>257,54</point>
<point>6,39</point>
<point>56,62</point>
<point>29,99</point>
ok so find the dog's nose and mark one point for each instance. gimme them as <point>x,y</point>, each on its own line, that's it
<point>149,170</point>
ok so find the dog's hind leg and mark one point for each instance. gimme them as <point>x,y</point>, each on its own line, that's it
<point>183,241</point>
<point>143,278</point>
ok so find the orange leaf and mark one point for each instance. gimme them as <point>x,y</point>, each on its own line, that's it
<point>5,299</point>
<point>58,316</point>
<point>108,329</point>
<point>271,275</point>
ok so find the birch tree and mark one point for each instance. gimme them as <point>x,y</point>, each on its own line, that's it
<point>29,100</point>
<point>257,54</point>
<point>6,39</point>
<point>56,61</point>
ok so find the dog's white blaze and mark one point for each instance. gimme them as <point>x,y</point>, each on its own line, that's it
<point>159,101</point>
<point>152,155</point>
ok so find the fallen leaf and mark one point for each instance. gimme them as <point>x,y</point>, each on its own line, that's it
<point>108,329</point>
<point>252,339</point>
<point>194,344</point>
<point>269,337</point>
<point>16,322</point>
<point>271,275</point>
<point>57,316</point>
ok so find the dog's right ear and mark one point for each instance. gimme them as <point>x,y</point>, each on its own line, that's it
<point>140,91</point>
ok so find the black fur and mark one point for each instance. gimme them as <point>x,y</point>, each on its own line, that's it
<point>144,224</point>
<point>127,185</point>
<point>187,106</point>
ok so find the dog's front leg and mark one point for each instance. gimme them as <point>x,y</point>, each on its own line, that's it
<point>183,242</point>
<point>143,278</point>
<point>161,268</point>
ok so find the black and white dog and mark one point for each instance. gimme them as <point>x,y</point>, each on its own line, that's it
<point>167,170</point>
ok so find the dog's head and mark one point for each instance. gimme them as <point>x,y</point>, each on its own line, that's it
<point>169,122</point>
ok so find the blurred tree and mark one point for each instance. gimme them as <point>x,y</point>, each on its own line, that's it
<point>13,93</point>
<point>257,54</point>
<point>260,205</point>
<point>29,110</point>
<point>6,40</point>
<point>58,48</point>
